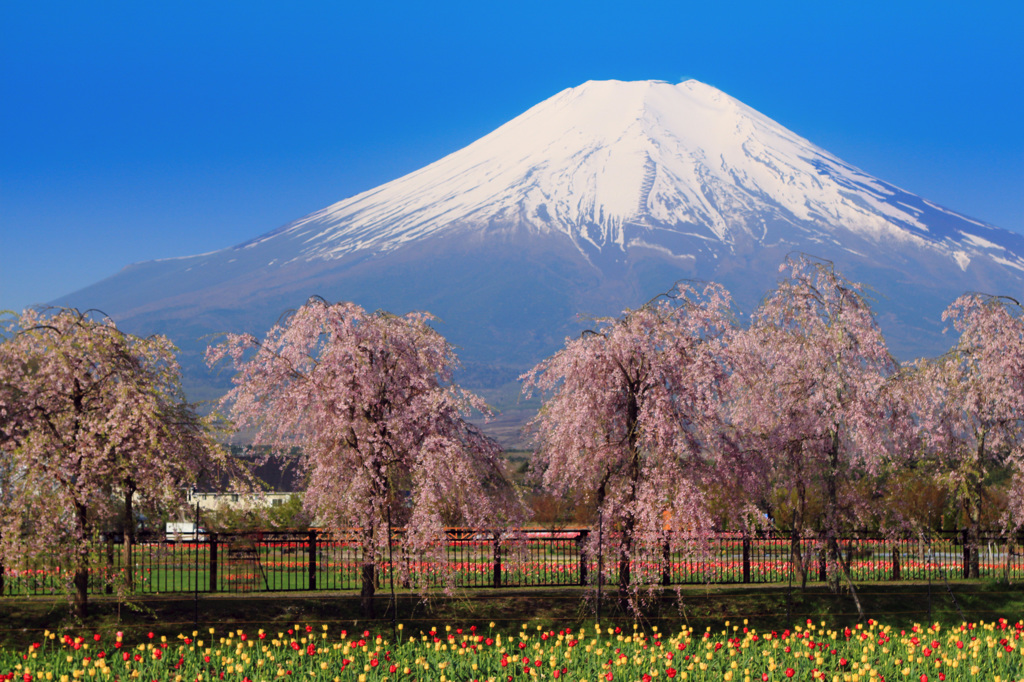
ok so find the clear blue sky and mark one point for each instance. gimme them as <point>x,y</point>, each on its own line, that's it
<point>140,130</point>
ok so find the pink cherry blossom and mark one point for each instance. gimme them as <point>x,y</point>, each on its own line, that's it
<point>383,432</point>
<point>807,394</point>
<point>631,413</point>
<point>89,417</point>
<point>969,404</point>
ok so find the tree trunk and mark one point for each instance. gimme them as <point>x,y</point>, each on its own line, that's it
<point>600,540</point>
<point>629,522</point>
<point>367,599</point>
<point>625,552</point>
<point>369,569</point>
<point>797,557</point>
<point>128,537</point>
<point>796,551</point>
<point>81,580</point>
<point>972,510</point>
<point>378,496</point>
<point>973,539</point>
<point>81,559</point>
<point>832,514</point>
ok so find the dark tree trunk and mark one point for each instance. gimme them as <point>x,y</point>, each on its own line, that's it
<point>601,489</point>
<point>369,575</point>
<point>128,536</point>
<point>629,520</point>
<point>973,538</point>
<point>972,512</point>
<point>797,558</point>
<point>81,580</point>
<point>81,559</point>
<point>625,552</point>
<point>832,514</point>
<point>367,599</point>
<point>799,514</point>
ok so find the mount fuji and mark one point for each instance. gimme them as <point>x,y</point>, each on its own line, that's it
<point>593,200</point>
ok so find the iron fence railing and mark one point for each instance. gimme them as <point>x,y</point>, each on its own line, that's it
<point>282,561</point>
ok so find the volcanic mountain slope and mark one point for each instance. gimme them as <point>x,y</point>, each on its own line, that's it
<point>593,200</point>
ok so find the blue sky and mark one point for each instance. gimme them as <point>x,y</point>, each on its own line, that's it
<point>141,130</point>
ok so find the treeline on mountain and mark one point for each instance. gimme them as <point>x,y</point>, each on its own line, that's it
<point>670,420</point>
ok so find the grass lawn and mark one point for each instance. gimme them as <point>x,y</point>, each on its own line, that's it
<point>23,620</point>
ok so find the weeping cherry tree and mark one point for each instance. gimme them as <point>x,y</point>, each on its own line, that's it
<point>91,420</point>
<point>369,399</point>
<point>969,405</point>
<point>806,394</point>
<point>630,410</point>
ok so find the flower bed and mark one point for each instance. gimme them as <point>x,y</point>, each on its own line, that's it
<point>983,651</point>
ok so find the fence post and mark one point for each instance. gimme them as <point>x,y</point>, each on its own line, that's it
<point>581,542</point>
<point>895,561</point>
<point>497,559</point>
<point>822,565</point>
<point>109,546</point>
<point>666,566</point>
<point>746,560</point>
<point>212,539</point>
<point>311,546</point>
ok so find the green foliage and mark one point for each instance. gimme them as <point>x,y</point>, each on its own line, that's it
<point>290,515</point>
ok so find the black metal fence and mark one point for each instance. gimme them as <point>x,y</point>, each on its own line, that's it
<point>279,561</point>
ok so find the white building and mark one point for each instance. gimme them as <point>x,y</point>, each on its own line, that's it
<point>237,501</point>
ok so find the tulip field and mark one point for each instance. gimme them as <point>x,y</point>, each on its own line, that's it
<point>811,650</point>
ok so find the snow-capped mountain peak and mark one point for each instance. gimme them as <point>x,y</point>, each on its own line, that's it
<point>618,165</point>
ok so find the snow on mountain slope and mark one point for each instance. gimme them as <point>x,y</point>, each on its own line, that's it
<point>619,165</point>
